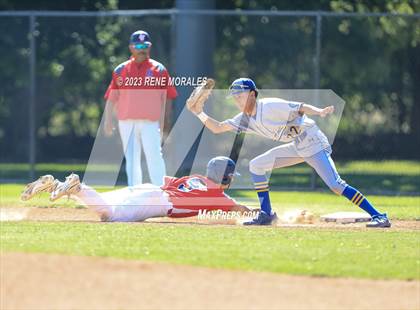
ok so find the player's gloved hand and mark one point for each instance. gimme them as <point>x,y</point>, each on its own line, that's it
<point>195,103</point>
<point>325,111</point>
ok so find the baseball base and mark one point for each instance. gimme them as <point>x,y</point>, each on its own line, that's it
<point>346,217</point>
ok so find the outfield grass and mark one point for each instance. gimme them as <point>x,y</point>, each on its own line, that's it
<point>394,167</point>
<point>374,176</point>
<point>397,207</point>
<point>376,254</point>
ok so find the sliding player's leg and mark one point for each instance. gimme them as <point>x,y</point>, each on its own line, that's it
<point>138,203</point>
<point>94,201</point>
<point>44,184</point>
<point>129,204</point>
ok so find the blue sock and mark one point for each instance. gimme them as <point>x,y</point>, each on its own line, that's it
<point>358,199</point>
<point>263,191</point>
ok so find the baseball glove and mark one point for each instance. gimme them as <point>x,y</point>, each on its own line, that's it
<point>200,94</point>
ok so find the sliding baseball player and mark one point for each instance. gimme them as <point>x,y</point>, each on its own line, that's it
<point>176,198</point>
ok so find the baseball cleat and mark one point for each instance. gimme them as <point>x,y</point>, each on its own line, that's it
<point>379,221</point>
<point>45,183</point>
<point>69,187</point>
<point>263,219</point>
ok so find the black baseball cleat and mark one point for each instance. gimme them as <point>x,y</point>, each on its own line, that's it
<point>263,219</point>
<point>379,221</point>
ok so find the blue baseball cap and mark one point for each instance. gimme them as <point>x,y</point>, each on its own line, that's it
<point>140,37</point>
<point>220,169</point>
<point>241,85</point>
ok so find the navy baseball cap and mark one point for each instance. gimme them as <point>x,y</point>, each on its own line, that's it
<point>220,169</point>
<point>140,37</point>
<point>241,85</point>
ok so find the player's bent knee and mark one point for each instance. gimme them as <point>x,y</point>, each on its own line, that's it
<point>255,167</point>
<point>337,191</point>
<point>337,188</point>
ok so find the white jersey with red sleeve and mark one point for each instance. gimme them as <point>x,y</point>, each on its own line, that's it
<point>190,194</point>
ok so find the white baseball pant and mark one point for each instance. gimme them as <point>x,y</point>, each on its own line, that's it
<point>314,149</point>
<point>129,204</point>
<point>135,134</point>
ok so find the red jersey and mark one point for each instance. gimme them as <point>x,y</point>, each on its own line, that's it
<point>193,193</point>
<point>139,90</point>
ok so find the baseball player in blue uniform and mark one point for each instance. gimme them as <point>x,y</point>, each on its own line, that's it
<point>288,122</point>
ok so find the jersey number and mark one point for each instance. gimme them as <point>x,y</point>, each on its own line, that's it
<point>293,132</point>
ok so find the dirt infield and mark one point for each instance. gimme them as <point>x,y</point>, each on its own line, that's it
<point>85,215</point>
<point>41,281</point>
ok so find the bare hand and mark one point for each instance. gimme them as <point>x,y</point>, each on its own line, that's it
<point>325,111</point>
<point>108,128</point>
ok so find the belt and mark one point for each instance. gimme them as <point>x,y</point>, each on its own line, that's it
<point>304,134</point>
<point>301,137</point>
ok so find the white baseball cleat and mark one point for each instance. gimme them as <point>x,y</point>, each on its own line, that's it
<point>69,187</point>
<point>45,183</point>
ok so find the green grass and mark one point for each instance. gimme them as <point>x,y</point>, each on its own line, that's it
<point>10,193</point>
<point>397,207</point>
<point>366,254</point>
<point>396,167</point>
<point>400,176</point>
<point>372,176</point>
<point>387,254</point>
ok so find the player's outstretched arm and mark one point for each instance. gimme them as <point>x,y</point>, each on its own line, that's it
<point>311,110</point>
<point>212,124</point>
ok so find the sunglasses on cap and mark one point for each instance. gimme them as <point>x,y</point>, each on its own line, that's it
<point>140,46</point>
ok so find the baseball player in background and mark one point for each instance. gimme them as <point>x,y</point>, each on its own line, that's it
<point>138,102</point>
<point>176,198</point>
<point>286,121</point>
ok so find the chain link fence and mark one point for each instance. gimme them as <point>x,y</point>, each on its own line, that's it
<point>56,66</point>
